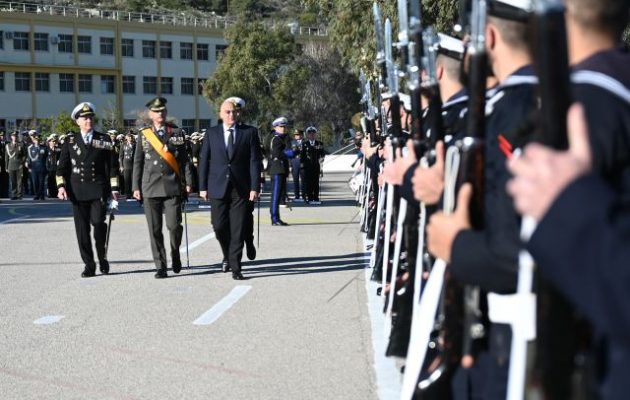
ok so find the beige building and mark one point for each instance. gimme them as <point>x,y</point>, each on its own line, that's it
<point>53,57</point>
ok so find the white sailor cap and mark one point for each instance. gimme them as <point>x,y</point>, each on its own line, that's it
<point>237,101</point>
<point>405,100</point>
<point>282,121</point>
<point>112,132</point>
<point>311,129</point>
<point>84,109</point>
<point>515,10</point>
<point>450,46</point>
<point>33,132</point>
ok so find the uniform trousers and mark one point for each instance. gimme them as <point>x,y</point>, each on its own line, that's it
<point>128,180</point>
<point>86,213</point>
<point>171,207</point>
<point>51,183</point>
<point>278,188</point>
<point>311,182</point>
<point>16,182</point>
<point>298,178</point>
<point>38,175</point>
<point>231,219</point>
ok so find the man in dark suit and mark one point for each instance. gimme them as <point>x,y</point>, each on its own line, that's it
<point>85,175</point>
<point>161,170</point>
<point>229,175</point>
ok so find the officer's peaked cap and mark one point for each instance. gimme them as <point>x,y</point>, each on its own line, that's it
<point>33,132</point>
<point>514,10</point>
<point>84,109</point>
<point>157,104</point>
<point>237,101</point>
<point>282,121</point>
<point>450,46</point>
<point>311,129</point>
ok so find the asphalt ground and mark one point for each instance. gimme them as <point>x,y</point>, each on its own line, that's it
<point>297,328</point>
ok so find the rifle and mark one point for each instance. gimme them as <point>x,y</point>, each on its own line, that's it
<point>464,163</point>
<point>551,62</point>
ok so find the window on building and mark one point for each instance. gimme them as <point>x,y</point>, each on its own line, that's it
<point>129,84</point>
<point>1,40</point>
<point>107,46</point>
<point>84,44</point>
<point>186,51</point>
<point>187,86</point>
<point>20,41</point>
<point>66,83</point>
<point>42,82</point>
<point>148,48</point>
<point>166,85</point>
<point>202,51</point>
<point>85,83</point>
<point>219,49</point>
<point>129,123</point>
<point>65,43</point>
<point>204,124</point>
<point>1,78</point>
<point>22,81</point>
<point>200,83</point>
<point>188,125</point>
<point>166,49</point>
<point>149,84</point>
<point>126,47</point>
<point>41,41</point>
<point>107,84</point>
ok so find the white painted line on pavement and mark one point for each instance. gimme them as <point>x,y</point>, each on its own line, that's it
<point>222,306</point>
<point>197,242</point>
<point>48,320</point>
<point>388,377</point>
<point>8,221</point>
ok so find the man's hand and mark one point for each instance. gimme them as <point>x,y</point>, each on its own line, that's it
<point>443,228</point>
<point>428,183</point>
<point>395,172</point>
<point>253,195</point>
<point>115,195</point>
<point>203,194</point>
<point>188,189</point>
<point>62,194</point>
<point>541,174</point>
<point>137,195</point>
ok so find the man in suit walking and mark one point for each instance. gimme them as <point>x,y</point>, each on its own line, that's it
<point>86,176</point>
<point>229,175</point>
<point>161,171</point>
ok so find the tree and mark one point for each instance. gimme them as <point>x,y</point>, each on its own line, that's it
<point>256,62</point>
<point>64,123</point>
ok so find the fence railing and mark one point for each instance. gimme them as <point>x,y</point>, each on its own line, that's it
<point>178,19</point>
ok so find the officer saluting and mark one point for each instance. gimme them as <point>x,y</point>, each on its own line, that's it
<point>86,176</point>
<point>161,171</point>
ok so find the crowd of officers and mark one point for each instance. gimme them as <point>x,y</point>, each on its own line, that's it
<point>28,163</point>
<point>578,197</point>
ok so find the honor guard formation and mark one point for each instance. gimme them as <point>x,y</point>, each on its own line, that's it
<point>492,181</point>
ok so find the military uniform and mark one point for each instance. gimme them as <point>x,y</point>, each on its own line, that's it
<point>52,158</point>
<point>36,161</point>
<point>278,169</point>
<point>127,151</point>
<point>311,154</point>
<point>4,180</point>
<point>296,168</point>
<point>163,189</point>
<point>86,173</point>
<point>15,158</point>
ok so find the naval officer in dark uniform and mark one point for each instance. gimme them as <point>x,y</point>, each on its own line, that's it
<point>278,168</point>
<point>161,175</point>
<point>36,161</point>
<point>85,175</point>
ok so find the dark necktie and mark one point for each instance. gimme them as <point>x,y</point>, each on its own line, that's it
<point>230,143</point>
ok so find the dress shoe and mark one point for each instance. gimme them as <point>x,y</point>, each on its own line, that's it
<point>279,223</point>
<point>251,250</point>
<point>177,266</point>
<point>104,267</point>
<point>237,276</point>
<point>161,274</point>
<point>87,273</point>
<point>225,266</point>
